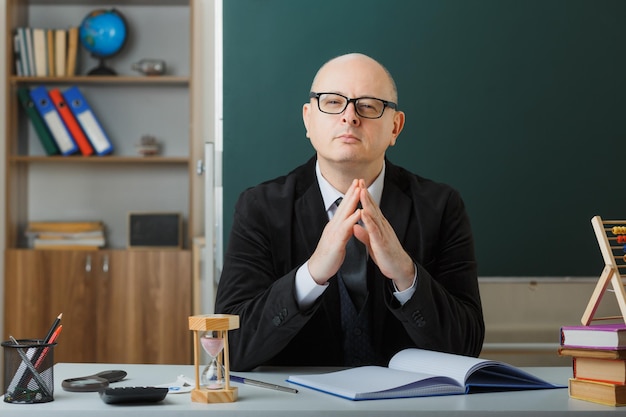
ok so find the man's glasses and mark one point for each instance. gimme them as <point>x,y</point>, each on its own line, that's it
<point>367,107</point>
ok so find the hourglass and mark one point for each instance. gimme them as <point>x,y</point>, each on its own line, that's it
<point>211,332</point>
<point>212,376</point>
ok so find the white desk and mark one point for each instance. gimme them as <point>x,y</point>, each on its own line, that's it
<point>260,402</point>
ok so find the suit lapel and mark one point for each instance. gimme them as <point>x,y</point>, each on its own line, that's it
<point>395,204</point>
<point>311,218</point>
<point>396,207</point>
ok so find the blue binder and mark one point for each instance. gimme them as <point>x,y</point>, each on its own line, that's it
<point>61,135</point>
<point>87,120</point>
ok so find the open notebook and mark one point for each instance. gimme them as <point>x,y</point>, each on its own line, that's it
<point>418,373</point>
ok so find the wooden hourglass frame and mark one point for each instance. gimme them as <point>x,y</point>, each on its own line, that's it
<point>221,323</point>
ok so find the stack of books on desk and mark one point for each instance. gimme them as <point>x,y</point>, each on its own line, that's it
<point>66,235</point>
<point>598,354</point>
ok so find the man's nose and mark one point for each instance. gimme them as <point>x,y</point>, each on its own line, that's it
<point>350,115</point>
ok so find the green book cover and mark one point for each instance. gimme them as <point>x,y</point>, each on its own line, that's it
<point>38,123</point>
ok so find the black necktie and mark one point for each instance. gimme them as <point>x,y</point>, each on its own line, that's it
<point>353,271</point>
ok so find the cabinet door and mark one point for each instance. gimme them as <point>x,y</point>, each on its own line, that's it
<point>43,284</point>
<point>144,303</point>
<point>26,289</point>
<point>72,292</point>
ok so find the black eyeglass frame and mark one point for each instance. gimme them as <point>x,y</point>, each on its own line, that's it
<point>386,103</point>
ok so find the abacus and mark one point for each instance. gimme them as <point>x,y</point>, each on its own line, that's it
<point>611,236</point>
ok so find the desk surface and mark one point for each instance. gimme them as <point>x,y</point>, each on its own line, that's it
<point>258,402</point>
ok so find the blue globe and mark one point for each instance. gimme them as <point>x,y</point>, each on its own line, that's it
<point>103,32</point>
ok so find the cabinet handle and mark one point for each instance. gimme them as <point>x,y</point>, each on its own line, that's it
<point>200,167</point>
<point>105,263</point>
<point>88,264</point>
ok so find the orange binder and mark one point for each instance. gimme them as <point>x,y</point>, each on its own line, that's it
<point>70,122</point>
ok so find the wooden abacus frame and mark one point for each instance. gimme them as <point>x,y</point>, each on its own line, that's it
<point>611,272</point>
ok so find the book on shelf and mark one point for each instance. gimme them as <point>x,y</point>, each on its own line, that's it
<point>64,227</point>
<point>598,336</point>
<point>28,33</point>
<point>66,243</point>
<point>70,122</point>
<point>597,391</point>
<point>40,50</point>
<point>72,51</point>
<point>51,52</point>
<point>17,57</point>
<point>23,50</point>
<point>51,116</point>
<point>88,121</point>
<point>65,235</point>
<point>39,124</point>
<point>60,52</point>
<point>417,373</point>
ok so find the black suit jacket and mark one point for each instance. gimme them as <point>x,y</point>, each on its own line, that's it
<point>275,230</point>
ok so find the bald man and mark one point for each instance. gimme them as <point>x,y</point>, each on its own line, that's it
<point>318,283</point>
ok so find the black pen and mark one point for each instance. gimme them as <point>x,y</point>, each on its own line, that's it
<point>262,384</point>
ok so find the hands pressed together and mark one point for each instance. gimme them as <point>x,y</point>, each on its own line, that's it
<point>375,233</point>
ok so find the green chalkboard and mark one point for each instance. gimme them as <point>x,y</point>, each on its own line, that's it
<point>519,104</point>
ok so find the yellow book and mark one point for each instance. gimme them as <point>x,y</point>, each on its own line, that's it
<point>597,392</point>
<point>67,247</point>
<point>60,52</point>
<point>606,370</point>
<point>67,227</point>
<point>51,52</point>
<point>72,51</point>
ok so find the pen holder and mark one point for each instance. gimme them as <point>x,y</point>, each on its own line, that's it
<point>28,371</point>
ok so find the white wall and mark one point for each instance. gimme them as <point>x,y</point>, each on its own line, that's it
<point>523,316</point>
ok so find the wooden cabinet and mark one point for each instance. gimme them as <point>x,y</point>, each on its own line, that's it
<point>118,306</point>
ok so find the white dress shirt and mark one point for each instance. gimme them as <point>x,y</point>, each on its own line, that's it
<point>307,290</point>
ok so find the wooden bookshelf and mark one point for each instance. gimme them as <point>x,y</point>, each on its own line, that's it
<point>126,293</point>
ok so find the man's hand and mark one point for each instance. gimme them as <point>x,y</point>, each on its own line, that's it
<point>331,249</point>
<point>382,243</point>
<point>376,234</point>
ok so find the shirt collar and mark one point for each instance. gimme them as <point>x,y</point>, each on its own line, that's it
<point>330,194</point>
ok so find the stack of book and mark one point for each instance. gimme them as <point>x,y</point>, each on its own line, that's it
<point>598,354</point>
<point>66,235</point>
<point>42,52</point>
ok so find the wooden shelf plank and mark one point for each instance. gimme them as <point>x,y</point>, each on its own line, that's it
<point>101,159</point>
<point>93,79</point>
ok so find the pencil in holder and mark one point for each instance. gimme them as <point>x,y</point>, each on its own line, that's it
<point>28,371</point>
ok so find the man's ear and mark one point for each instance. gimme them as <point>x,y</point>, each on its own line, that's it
<point>306,112</point>
<point>398,125</point>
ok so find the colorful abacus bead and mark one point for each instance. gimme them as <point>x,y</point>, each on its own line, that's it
<point>619,230</point>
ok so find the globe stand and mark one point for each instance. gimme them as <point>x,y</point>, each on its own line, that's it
<point>101,69</point>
